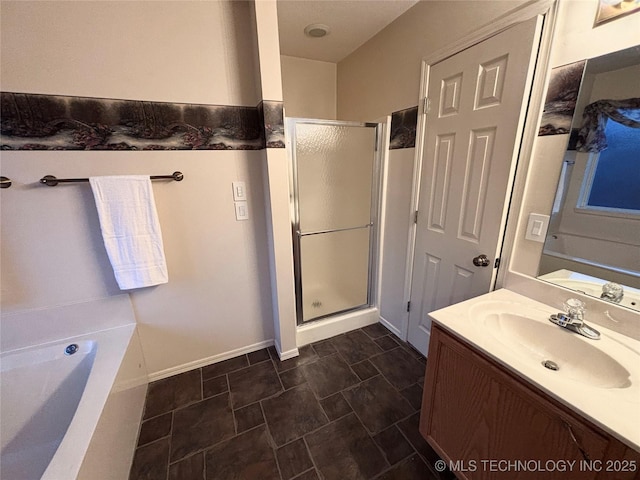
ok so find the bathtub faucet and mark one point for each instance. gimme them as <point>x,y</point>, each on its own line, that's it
<point>573,319</point>
<point>612,292</point>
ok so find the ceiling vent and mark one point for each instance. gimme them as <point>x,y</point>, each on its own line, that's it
<point>316,30</point>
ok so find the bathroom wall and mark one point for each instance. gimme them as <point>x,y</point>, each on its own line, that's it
<point>383,77</point>
<point>397,224</point>
<point>397,220</point>
<point>309,88</point>
<point>218,298</point>
<point>575,39</point>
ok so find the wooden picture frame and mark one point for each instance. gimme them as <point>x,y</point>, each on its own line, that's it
<point>609,10</point>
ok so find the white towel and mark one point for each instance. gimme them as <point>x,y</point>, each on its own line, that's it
<point>130,229</point>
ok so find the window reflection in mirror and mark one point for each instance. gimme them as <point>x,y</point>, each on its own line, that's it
<point>594,231</point>
<point>612,180</point>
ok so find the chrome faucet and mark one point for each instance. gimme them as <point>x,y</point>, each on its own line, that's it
<point>573,319</point>
<point>612,292</point>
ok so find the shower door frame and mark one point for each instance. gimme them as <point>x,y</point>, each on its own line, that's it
<point>376,188</point>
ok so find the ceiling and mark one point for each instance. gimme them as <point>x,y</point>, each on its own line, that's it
<point>351,24</point>
<point>615,60</point>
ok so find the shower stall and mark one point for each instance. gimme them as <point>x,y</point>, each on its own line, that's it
<point>335,179</point>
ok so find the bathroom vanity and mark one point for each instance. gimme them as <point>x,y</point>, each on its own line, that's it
<point>492,409</point>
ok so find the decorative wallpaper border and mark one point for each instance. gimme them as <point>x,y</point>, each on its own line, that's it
<point>272,115</point>
<point>53,122</point>
<point>562,95</point>
<point>403,128</point>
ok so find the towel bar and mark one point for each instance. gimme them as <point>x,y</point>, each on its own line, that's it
<point>5,182</point>
<point>52,181</point>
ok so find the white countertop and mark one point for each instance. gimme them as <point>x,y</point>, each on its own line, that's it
<point>615,408</point>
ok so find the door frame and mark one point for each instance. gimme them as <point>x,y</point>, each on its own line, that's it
<point>548,10</point>
<point>381,134</point>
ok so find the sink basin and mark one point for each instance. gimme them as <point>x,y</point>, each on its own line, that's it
<point>578,359</point>
<point>591,286</point>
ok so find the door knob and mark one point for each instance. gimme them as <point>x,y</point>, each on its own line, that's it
<point>481,261</point>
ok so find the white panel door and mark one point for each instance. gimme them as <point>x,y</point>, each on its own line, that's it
<point>478,100</point>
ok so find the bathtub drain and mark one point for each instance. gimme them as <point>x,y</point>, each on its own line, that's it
<point>71,349</point>
<point>551,365</point>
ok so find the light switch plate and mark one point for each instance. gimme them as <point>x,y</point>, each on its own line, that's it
<point>537,227</point>
<point>242,210</point>
<point>239,191</point>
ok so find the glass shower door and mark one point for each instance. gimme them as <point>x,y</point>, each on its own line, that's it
<point>334,187</point>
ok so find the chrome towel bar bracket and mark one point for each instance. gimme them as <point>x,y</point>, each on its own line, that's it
<point>5,182</point>
<point>52,181</point>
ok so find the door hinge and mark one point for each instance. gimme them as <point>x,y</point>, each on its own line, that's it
<point>426,105</point>
<point>409,306</point>
<point>497,263</point>
<point>415,217</point>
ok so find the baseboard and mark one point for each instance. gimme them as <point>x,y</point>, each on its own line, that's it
<point>286,355</point>
<point>169,372</point>
<point>391,327</point>
<point>332,326</point>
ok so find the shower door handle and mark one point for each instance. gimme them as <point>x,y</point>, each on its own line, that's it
<point>318,232</point>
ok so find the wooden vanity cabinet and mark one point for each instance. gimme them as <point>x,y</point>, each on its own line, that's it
<point>477,416</point>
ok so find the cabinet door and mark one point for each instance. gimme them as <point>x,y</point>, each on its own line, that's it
<point>477,415</point>
<point>620,463</point>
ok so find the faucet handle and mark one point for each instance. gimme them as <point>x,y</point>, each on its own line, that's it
<point>575,308</point>
<point>612,291</point>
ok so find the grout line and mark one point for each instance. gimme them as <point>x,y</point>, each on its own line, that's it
<point>341,416</point>
<point>409,441</point>
<point>233,414</point>
<point>313,462</point>
<point>305,472</point>
<point>247,406</point>
<point>204,465</point>
<point>323,412</point>
<point>154,441</point>
<point>270,440</point>
<point>192,454</point>
<point>225,372</point>
<point>314,349</point>
<point>388,469</point>
<point>209,447</point>
<point>170,443</point>
<point>279,379</point>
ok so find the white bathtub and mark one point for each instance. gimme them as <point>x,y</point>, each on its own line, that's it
<point>52,424</point>
<point>615,256</point>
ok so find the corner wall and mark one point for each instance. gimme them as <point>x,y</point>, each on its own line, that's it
<point>383,75</point>
<point>218,299</point>
<point>309,88</point>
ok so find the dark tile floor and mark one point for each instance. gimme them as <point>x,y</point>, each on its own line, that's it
<point>347,408</point>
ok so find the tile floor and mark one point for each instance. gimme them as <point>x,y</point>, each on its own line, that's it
<point>347,408</point>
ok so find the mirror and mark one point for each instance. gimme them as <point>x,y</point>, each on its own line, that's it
<point>594,231</point>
